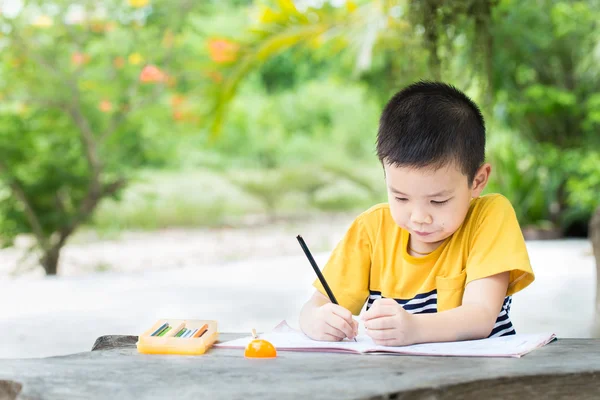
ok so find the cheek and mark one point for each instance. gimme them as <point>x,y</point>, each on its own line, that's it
<point>452,219</point>
<point>398,213</point>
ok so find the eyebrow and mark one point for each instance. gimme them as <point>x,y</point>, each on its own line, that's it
<point>438,194</point>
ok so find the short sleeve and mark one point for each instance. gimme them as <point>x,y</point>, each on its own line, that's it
<point>348,268</point>
<point>497,245</point>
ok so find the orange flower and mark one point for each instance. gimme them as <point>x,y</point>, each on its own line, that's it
<point>152,74</point>
<point>98,26</point>
<point>178,115</point>
<point>105,106</point>
<point>222,50</point>
<point>119,62</point>
<point>177,100</point>
<point>79,58</point>
<point>185,116</point>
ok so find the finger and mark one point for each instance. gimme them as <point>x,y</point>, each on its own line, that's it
<point>331,317</point>
<point>342,312</point>
<point>385,301</point>
<point>333,331</point>
<point>355,327</point>
<point>336,317</point>
<point>381,304</point>
<point>380,323</point>
<point>386,310</point>
<point>343,325</point>
<point>344,315</point>
<point>386,334</point>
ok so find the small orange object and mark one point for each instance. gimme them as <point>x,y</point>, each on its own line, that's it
<point>151,74</point>
<point>223,50</point>
<point>79,58</point>
<point>105,106</point>
<point>259,348</point>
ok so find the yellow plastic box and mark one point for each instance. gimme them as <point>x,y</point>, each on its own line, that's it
<point>169,344</point>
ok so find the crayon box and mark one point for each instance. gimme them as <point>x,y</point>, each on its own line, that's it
<point>178,336</point>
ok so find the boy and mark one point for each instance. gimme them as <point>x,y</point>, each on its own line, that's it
<point>437,262</point>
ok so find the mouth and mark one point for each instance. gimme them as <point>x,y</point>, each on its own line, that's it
<point>422,234</point>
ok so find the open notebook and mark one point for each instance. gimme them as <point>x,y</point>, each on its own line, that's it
<point>283,337</point>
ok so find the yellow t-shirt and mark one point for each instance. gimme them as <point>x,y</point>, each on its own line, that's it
<point>372,261</point>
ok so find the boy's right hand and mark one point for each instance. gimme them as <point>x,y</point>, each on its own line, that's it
<point>331,322</point>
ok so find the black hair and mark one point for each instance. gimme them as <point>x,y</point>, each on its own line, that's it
<point>430,125</point>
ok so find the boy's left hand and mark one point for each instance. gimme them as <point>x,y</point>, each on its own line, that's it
<point>389,324</point>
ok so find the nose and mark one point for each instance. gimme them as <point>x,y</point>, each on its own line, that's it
<point>420,217</point>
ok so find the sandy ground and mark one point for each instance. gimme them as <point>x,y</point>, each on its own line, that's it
<point>141,252</point>
<point>245,279</point>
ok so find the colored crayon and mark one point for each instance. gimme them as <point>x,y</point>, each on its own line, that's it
<point>163,330</point>
<point>201,331</point>
<point>163,333</point>
<point>160,329</point>
<point>176,330</point>
<point>191,333</point>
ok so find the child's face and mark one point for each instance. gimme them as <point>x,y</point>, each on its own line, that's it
<point>431,204</point>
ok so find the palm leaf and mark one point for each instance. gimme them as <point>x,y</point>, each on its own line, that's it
<point>264,50</point>
<point>288,27</point>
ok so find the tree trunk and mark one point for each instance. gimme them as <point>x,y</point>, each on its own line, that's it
<point>485,46</point>
<point>50,260</point>
<point>430,23</point>
<point>595,238</point>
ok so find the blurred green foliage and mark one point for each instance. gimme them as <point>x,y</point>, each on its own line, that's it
<point>78,81</point>
<point>535,74</point>
<point>267,106</point>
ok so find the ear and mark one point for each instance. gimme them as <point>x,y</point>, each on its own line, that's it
<point>481,179</point>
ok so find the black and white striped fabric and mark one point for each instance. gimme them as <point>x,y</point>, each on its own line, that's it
<point>504,326</point>
<point>427,303</point>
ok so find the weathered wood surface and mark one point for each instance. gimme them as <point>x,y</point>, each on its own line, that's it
<point>565,369</point>
<point>113,342</point>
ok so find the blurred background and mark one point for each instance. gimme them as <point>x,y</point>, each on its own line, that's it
<point>158,157</point>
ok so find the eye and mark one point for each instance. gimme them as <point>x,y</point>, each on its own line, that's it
<point>401,199</point>
<point>439,203</point>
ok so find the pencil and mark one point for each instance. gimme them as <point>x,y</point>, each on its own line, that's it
<point>317,271</point>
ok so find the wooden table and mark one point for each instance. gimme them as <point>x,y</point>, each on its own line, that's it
<point>564,369</point>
